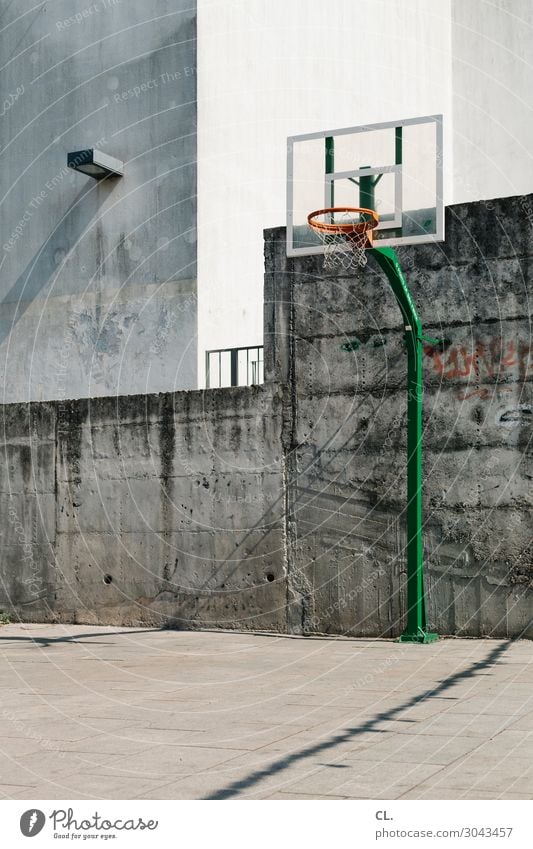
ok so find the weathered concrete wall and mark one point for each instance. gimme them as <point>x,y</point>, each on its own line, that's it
<point>155,509</point>
<point>98,282</point>
<point>282,507</point>
<point>345,432</point>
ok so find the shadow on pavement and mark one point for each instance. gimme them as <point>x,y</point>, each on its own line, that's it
<point>347,734</point>
<point>75,638</point>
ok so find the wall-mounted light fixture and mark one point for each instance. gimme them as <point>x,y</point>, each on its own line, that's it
<point>95,164</point>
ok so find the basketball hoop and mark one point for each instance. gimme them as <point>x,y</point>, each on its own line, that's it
<point>346,233</point>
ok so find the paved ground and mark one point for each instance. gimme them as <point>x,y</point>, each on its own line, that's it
<point>90,712</point>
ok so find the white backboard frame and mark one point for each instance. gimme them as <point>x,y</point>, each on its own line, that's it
<point>388,223</point>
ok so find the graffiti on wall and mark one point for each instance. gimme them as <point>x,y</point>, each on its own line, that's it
<point>485,359</point>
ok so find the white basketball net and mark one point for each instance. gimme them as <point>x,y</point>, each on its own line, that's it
<point>346,249</point>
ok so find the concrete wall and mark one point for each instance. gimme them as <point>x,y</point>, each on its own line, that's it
<point>345,448</point>
<point>282,506</point>
<point>154,509</point>
<point>98,280</point>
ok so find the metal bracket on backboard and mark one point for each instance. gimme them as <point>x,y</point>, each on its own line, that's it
<point>387,221</point>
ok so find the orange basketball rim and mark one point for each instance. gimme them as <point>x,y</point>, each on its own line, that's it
<point>352,229</point>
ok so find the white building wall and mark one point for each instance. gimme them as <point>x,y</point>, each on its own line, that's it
<point>272,68</point>
<point>492,98</point>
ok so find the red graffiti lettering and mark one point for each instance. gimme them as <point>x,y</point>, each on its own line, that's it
<point>486,359</point>
<point>485,394</point>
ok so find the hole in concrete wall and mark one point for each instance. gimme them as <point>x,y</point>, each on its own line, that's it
<point>270,577</point>
<point>108,579</point>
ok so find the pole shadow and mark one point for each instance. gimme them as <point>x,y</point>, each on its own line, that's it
<point>237,787</point>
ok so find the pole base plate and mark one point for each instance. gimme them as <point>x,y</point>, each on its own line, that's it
<point>418,637</point>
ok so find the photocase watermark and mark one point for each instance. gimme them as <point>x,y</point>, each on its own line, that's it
<point>31,734</point>
<point>19,229</point>
<point>66,820</point>
<point>391,440</point>
<point>32,822</point>
<point>64,359</point>
<point>10,100</point>
<point>37,200</point>
<point>348,598</point>
<point>33,582</point>
<point>380,668</point>
<point>83,14</point>
<point>234,498</point>
<point>74,827</point>
<point>156,82</point>
<point>169,323</point>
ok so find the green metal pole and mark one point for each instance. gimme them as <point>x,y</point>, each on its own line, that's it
<point>366,191</point>
<point>415,631</point>
<point>330,166</point>
<point>367,194</point>
<point>398,144</point>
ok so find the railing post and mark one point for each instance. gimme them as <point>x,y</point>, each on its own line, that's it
<point>234,378</point>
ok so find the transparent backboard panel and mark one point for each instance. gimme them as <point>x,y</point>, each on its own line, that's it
<point>394,168</point>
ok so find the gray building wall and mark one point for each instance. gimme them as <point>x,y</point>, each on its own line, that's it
<point>98,280</point>
<point>282,507</point>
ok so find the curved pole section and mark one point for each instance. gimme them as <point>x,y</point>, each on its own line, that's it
<point>416,608</point>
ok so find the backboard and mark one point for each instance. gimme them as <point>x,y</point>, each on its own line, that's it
<point>394,168</point>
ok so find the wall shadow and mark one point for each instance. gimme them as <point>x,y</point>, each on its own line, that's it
<point>44,265</point>
<point>78,638</point>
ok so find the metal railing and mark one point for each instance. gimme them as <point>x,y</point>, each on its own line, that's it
<point>234,367</point>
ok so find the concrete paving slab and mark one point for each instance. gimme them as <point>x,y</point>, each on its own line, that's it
<point>244,737</point>
<point>100,712</point>
<point>427,749</point>
<point>366,780</point>
<point>41,766</point>
<point>107,744</point>
<point>453,724</point>
<point>299,796</point>
<point>91,787</point>
<point>62,729</point>
<point>165,762</point>
<point>26,746</point>
<point>509,743</point>
<point>430,791</point>
<point>524,724</point>
<point>504,704</point>
<point>250,776</point>
<point>480,771</point>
